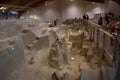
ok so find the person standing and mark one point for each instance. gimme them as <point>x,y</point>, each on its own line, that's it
<point>84,17</point>
<point>100,21</point>
<point>87,17</point>
<point>107,19</point>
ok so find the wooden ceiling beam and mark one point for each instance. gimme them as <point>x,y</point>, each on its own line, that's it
<point>24,2</point>
<point>31,3</point>
<point>39,3</point>
<point>18,2</point>
<point>117,1</point>
<point>99,1</point>
<point>4,1</point>
<point>13,2</point>
<point>42,4</point>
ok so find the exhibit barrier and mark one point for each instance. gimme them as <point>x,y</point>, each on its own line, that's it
<point>11,58</point>
<point>103,39</point>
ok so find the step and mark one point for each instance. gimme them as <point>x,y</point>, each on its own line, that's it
<point>88,74</point>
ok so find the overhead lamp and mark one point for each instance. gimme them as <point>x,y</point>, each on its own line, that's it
<point>93,2</point>
<point>3,8</point>
<point>71,0</point>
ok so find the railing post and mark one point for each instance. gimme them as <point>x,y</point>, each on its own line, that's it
<point>116,57</point>
<point>97,36</point>
<point>103,45</point>
<point>91,33</point>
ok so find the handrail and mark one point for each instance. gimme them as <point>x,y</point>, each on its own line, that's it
<point>99,27</point>
<point>103,39</point>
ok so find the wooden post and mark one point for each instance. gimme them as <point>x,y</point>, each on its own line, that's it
<point>103,45</point>
<point>97,36</point>
<point>91,33</point>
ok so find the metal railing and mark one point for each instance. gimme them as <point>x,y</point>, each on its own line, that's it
<point>103,39</point>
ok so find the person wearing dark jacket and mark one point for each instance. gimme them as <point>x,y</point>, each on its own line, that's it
<point>100,21</point>
<point>107,19</point>
<point>84,17</point>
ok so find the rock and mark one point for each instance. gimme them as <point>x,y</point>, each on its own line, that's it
<point>29,46</point>
<point>31,60</point>
<point>11,42</point>
<point>54,76</point>
<point>44,31</point>
<point>35,41</point>
<point>65,76</point>
<point>84,52</point>
<point>60,76</point>
<point>57,54</point>
<point>76,37</point>
<point>25,30</point>
<point>84,66</point>
<point>90,54</point>
<point>31,25</point>
<point>69,68</point>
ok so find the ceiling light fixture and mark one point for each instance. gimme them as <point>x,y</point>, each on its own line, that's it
<point>3,8</point>
<point>93,2</point>
<point>71,0</point>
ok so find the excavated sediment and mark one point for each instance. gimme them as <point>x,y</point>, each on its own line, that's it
<point>59,52</point>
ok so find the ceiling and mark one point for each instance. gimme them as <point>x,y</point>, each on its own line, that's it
<point>100,1</point>
<point>20,4</point>
<point>24,3</point>
<point>117,1</point>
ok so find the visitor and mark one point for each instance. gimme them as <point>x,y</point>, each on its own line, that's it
<point>107,19</point>
<point>84,17</point>
<point>100,21</point>
<point>55,22</point>
<point>87,17</point>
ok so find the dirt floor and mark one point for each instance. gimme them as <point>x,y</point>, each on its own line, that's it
<point>36,64</point>
<point>37,68</point>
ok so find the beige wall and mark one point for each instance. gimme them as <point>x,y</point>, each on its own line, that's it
<point>51,12</point>
<point>65,9</point>
<point>30,14</point>
<point>78,7</point>
<point>114,7</point>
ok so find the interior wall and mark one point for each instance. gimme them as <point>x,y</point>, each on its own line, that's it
<point>114,7</point>
<point>31,14</point>
<point>77,8</point>
<point>61,10</point>
<point>51,11</point>
<point>66,9</point>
